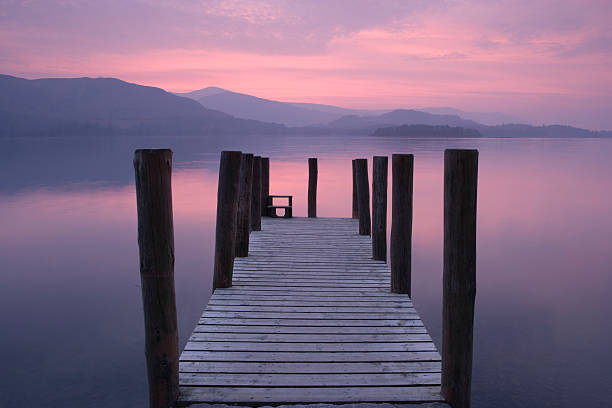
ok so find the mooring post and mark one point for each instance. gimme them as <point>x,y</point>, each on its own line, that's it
<point>265,184</point>
<point>243,228</point>
<point>355,203</point>
<point>363,196</point>
<point>402,167</point>
<point>459,277</point>
<point>227,214</point>
<point>153,170</point>
<point>380,166</point>
<point>313,173</point>
<point>256,195</point>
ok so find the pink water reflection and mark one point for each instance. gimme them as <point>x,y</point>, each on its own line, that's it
<point>544,276</point>
<point>537,222</point>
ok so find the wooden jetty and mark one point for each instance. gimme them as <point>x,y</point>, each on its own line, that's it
<point>307,311</point>
<point>309,319</point>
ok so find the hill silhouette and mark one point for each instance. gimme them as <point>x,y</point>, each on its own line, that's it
<point>441,131</point>
<point>266,110</point>
<point>101,106</point>
<point>400,117</point>
<point>107,105</point>
<point>486,118</point>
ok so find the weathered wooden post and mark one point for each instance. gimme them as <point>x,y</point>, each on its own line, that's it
<point>459,292</point>
<point>380,166</point>
<point>256,195</point>
<point>363,196</point>
<point>402,166</point>
<point>355,203</point>
<point>153,170</point>
<point>227,212</point>
<point>243,227</point>
<point>313,173</point>
<point>265,184</point>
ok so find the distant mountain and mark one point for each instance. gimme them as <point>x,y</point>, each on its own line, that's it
<point>486,118</point>
<point>252,107</point>
<point>515,131</point>
<point>427,131</point>
<point>107,105</point>
<point>338,110</point>
<point>309,114</point>
<point>399,117</point>
<point>89,106</point>
<point>201,93</point>
<point>520,130</point>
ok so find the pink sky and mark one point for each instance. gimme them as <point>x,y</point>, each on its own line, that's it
<point>544,61</point>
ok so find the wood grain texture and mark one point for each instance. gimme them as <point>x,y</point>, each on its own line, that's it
<point>256,195</point>
<point>313,175</point>
<point>153,169</point>
<point>311,368</point>
<point>459,275</point>
<point>402,166</point>
<point>227,214</point>
<point>243,228</point>
<point>379,208</point>
<point>363,197</point>
<point>309,318</point>
<point>265,184</point>
<point>266,395</point>
<point>355,206</point>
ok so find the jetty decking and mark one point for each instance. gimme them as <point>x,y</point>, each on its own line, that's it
<point>309,319</point>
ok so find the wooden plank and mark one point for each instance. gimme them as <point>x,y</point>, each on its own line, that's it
<point>318,316</point>
<point>306,357</point>
<point>310,318</point>
<point>348,330</point>
<point>322,278</point>
<point>312,322</point>
<point>310,380</point>
<point>313,338</point>
<point>308,347</point>
<point>284,284</point>
<point>330,294</point>
<point>306,368</point>
<point>301,291</point>
<point>311,271</point>
<point>318,276</point>
<point>265,395</point>
<point>288,301</point>
<point>311,309</point>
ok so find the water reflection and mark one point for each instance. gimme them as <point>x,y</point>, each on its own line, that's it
<point>70,298</point>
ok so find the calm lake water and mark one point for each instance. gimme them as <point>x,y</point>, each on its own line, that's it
<point>70,301</point>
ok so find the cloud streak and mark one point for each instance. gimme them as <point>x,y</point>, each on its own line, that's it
<point>547,61</point>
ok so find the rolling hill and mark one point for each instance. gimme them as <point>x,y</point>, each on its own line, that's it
<point>107,105</point>
<point>252,107</point>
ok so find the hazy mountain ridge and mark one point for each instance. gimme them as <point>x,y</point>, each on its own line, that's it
<point>338,110</point>
<point>288,113</point>
<point>427,130</point>
<point>400,117</point>
<point>297,114</point>
<point>485,118</point>
<point>100,106</point>
<point>408,122</point>
<point>521,130</point>
<point>500,131</point>
<point>107,105</point>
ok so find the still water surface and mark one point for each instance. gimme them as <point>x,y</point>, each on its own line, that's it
<point>70,307</point>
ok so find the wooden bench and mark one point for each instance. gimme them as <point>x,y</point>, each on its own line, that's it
<point>271,208</point>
